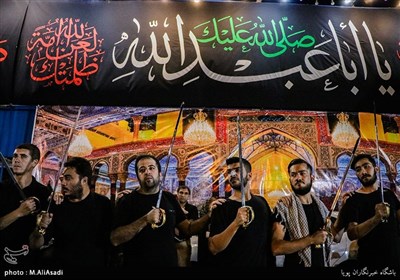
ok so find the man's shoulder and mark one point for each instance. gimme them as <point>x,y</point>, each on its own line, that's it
<point>36,184</point>
<point>101,198</point>
<point>6,186</point>
<point>126,198</point>
<point>257,196</point>
<point>355,198</point>
<point>260,198</point>
<point>191,206</point>
<point>38,189</point>
<point>168,193</point>
<point>170,197</point>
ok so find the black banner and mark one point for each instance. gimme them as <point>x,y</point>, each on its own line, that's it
<point>12,14</point>
<point>240,55</point>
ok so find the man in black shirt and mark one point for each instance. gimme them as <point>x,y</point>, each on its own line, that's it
<point>18,215</point>
<point>136,214</point>
<point>80,224</point>
<point>238,238</point>
<point>298,227</point>
<point>183,244</point>
<point>373,222</point>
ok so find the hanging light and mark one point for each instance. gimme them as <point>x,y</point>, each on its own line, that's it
<point>344,134</point>
<point>200,132</point>
<point>80,146</point>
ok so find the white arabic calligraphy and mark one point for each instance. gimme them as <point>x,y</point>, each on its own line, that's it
<point>308,71</point>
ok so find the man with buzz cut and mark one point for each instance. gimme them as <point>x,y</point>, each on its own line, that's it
<point>18,215</point>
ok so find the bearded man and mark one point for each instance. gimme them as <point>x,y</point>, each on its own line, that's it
<point>372,217</point>
<point>141,242</point>
<point>240,235</point>
<point>298,232</point>
<point>80,225</point>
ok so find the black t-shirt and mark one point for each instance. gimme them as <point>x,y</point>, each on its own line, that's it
<point>381,246</point>
<point>16,235</point>
<point>149,247</point>
<point>193,214</point>
<point>81,232</point>
<point>249,246</point>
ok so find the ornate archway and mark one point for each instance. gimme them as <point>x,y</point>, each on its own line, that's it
<point>270,151</point>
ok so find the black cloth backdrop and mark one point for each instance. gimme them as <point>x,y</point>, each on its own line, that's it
<point>223,55</point>
<point>12,14</point>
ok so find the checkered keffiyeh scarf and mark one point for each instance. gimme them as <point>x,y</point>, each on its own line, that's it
<point>294,218</point>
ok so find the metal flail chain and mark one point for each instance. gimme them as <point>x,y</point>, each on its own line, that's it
<point>340,188</point>
<point>338,193</point>
<point>240,160</point>
<point>64,157</point>
<point>166,168</point>
<point>242,187</point>
<point>378,159</point>
<point>41,230</point>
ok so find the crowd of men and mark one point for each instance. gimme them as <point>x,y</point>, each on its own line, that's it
<point>150,227</point>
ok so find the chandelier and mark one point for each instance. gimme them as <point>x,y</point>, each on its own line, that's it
<point>200,132</point>
<point>80,146</point>
<point>344,134</point>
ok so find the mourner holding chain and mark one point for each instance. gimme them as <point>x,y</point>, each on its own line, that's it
<point>20,200</point>
<point>183,243</point>
<point>298,228</point>
<point>372,216</point>
<point>146,232</point>
<point>241,236</point>
<point>80,224</point>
